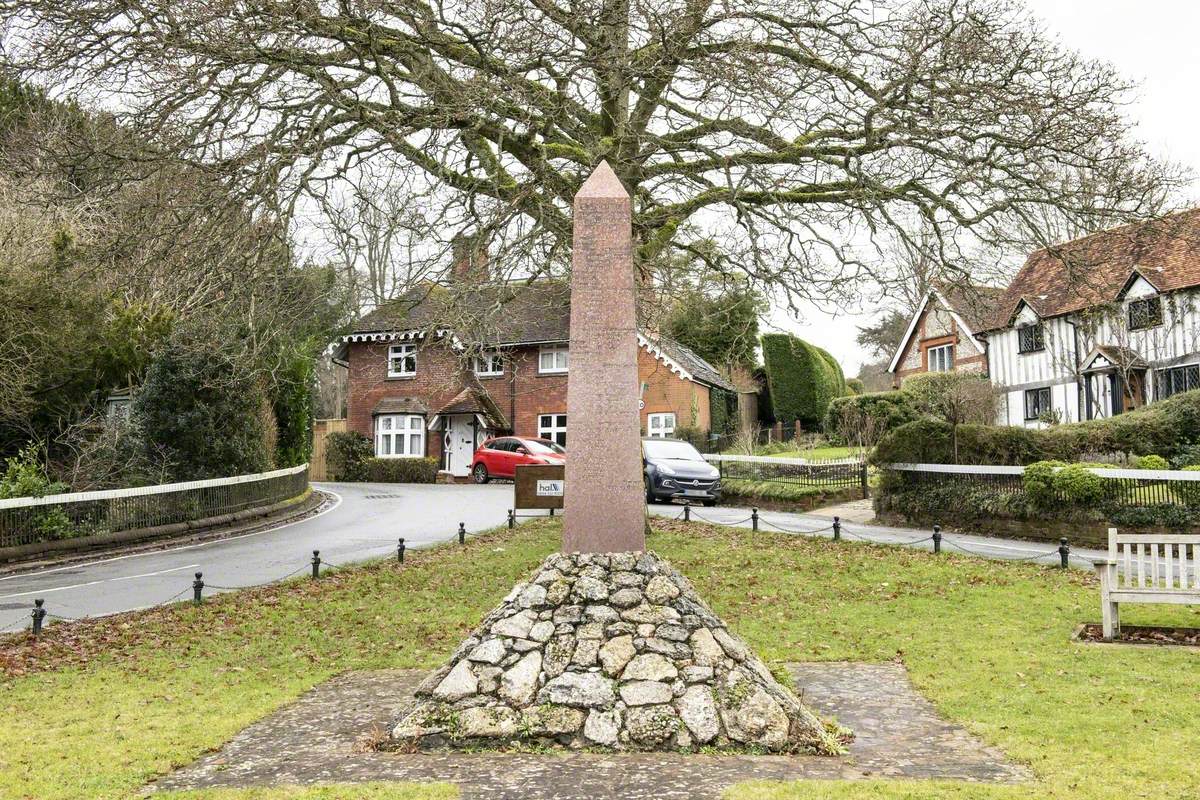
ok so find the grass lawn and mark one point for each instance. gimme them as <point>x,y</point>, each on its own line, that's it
<point>987,642</point>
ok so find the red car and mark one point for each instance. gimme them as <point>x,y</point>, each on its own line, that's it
<point>500,457</point>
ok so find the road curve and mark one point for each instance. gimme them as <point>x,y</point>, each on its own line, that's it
<point>365,523</point>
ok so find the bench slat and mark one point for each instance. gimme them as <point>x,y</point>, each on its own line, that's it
<point>1162,538</point>
<point>1154,596</point>
<point>1127,578</point>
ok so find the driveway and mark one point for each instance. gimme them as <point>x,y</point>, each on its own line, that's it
<point>366,523</point>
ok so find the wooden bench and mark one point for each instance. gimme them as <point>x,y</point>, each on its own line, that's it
<point>1147,568</point>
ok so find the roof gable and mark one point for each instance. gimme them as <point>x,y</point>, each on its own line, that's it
<point>968,304</point>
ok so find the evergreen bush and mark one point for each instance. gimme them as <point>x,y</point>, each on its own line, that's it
<point>206,412</point>
<point>1151,462</point>
<point>346,455</point>
<point>1038,482</point>
<point>802,379</point>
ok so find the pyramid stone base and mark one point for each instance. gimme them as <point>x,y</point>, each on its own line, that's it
<point>610,651</point>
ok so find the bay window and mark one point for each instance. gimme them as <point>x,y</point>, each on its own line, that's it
<point>400,436</point>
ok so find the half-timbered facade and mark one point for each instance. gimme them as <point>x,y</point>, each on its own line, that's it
<point>1101,325</point>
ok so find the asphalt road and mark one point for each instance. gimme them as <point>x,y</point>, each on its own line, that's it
<point>365,523</point>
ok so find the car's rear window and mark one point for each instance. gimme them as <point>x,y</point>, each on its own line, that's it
<point>542,446</point>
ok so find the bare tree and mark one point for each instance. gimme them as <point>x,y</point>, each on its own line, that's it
<point>787,130</point>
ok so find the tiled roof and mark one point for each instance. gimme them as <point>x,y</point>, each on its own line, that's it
<point>400,405</point>
<point>477,401</point>
<point>507,314</point>
<point>1093,270</point>
<point>498,313</point>
<point>975,304</point>
<point>700,369</point>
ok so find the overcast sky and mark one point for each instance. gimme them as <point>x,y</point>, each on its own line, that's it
<point>1152,42</point>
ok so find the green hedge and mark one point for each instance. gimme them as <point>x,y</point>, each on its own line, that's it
<point>723,411</point>
<point>872,414</point>
<point>1169,428</point>
<point>346,455</point>
<point>802,379</point>
<point>401,470</point>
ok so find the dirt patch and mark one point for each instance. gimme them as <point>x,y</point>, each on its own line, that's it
<point>1142,635</point>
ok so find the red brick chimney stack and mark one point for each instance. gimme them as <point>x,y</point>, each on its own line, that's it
<point>470,259</point>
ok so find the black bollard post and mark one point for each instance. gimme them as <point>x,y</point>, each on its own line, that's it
<point>837,529</point>
<point>316,564</point>
<point>937,538</point>
<point>754,519</point>
<point>552,512</point>
<point>39,616</point>
<point>400,551</point>
<point>512,519</point>
<point>687,511</point>
<point>1064,551</point>
<point>462,533</point>
<point>198,589</point>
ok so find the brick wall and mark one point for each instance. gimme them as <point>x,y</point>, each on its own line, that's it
<point>437,382</point>
<point>520,393</point>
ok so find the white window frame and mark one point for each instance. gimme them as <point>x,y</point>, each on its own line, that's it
<point>947,364</point>
<point>550,427</point>
<point>399,436</point>
<point>665,427</point>
<point>488,364</point>
<point>560,360</point>
<point>406,354</point>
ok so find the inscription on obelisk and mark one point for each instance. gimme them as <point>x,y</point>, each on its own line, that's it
<point>604,507</point>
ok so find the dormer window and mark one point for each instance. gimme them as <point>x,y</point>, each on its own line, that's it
<point>1146,313</point>
<point>1031,338</point>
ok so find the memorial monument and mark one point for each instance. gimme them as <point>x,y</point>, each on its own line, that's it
<point>607,645</point>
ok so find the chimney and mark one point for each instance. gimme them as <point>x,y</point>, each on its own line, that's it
<point>470,259</point>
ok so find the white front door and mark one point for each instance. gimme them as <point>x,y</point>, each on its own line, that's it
<point>459,444</point>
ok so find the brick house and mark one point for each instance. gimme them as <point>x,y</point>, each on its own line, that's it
<point>941,334</point>
<point>419,388</point>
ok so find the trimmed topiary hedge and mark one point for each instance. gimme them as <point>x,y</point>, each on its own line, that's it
<point>401,470</point>
<point>1168,428</point>
<point>802,379</point>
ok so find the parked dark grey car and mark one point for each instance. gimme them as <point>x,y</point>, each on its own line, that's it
<point>675,469</point>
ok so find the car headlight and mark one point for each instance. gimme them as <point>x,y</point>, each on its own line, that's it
<point>665,470</point>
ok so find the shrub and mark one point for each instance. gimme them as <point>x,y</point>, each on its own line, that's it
<point>294,405</point>
<point>855,386</point>
<point>723,411</point>
<point>1038,482</point>
<point>25,476</point>
<point>1188,456</point>
<point>1079,485</point>
<point>401,470</point>
<point>697,437</point>
<point>802,379</point>
<point>864,418</point>
<point>1169,428</point>
<point>205,412</point>
<point>1151,462</point>
<point>346,455</point>
<point>1189,491</point>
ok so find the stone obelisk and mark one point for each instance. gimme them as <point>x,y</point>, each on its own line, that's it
<point>604,506</point>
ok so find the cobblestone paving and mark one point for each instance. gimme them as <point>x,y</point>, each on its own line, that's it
<point>321,739</point>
